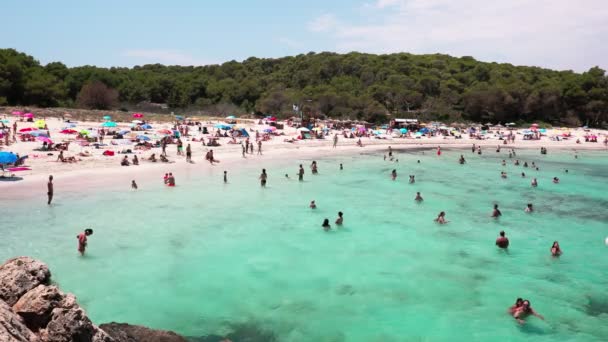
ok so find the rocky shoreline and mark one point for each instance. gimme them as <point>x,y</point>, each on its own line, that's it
<point>34,310</point>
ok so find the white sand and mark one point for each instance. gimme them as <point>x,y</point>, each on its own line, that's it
<point>97,170</point>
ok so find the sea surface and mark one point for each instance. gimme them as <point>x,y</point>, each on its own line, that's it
<point>208,259</point>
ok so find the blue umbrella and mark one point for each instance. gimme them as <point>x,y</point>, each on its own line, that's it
<point>179,117</point>
<point>223,126</point>
<point>231,117</point>
<point>7,157</point>
<point>38,133</point>
<point>424,130</point>
<point>403,130</point>
<point>143,137</point>
<point>146,126</point>
<point>124,131</point>
<point>108,124</point>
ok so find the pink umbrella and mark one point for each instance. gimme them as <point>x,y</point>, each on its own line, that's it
<point>28,115</point>
<point>17,113</point>
<point>138,115</point>
<point>29,129</point>
<point>45,139</point>
<point>68,131</point>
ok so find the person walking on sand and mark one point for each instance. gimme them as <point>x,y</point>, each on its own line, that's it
<point>133,185</point>
<point>335,140</point>
<point>82,240</point>
<point>301,173</point>
<point>244,149</point>
<point>260,147</point>
<point>189,154</point>
<point>49,187</point>
<point>164,147</point>
<point>180,147</point>
<point>263,178</point>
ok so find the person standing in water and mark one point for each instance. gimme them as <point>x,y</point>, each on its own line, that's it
<point>496,212</point>
<point>394,174</point>
<point>461,160</point>
<point>412,179</point>
<point>82,240</point>
<point>438,151</point>
<point>313,167</point>
<point>49,190</point>
<point>326,225</point>
<point>312,205</point>
<point>340,219</point>
<point>263,178</point>
<point>225,176</point>
<point>441,218</point>
<point>555,250</point>
<point>341,167</point>
<point>502,241</point>
<point>418,197</point>
<point>534,183</point>
<point>133,185</point>
<point>390,152</point>
<point>301,173</point>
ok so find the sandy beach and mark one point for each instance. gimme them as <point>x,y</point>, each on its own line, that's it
<point>97,170</point>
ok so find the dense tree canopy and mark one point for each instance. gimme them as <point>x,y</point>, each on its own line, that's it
<point>354,85</point>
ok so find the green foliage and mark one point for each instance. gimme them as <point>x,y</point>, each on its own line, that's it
<point>354,85</point>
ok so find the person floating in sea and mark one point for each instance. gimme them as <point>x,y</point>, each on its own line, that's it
<point>133,185</point>
<point>461,160</point>
<point>301,173</point>
<point>412,179</point>
<point>534,183</point>
<point>49,190</point>
<point>441,218</point>
<point>312,205</point>
<point>529,208</point>
<point>502,241</point>
<point>340,219</point>
<point>394,174</point>
<point>263,178</point>
<point>82,240</point>
<point>418,197</point>
<point>326,225</point>
<point>496,212</point>
<point>503,174</point>
<point>555,250</point>
<point>524,311</point>
<point>225,176</point>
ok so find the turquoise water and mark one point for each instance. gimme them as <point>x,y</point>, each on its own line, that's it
<point>207,258</point>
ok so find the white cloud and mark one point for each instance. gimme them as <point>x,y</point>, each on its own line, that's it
<point>552,33</point>
<point>323,23</point>
<point>169,57</point>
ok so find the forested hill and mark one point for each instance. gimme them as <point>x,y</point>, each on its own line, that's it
<point>354,85</point>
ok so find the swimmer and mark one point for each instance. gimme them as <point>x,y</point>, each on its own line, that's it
<point>263,178</point>
<point>525,310</point>
<point>441,218</point>
<point>394,174</point>
<point>523,175</point>
<point>515,306</point>
<point>82,240</point>
<point>496,212</point>
<point>340,219</point>
<point>301,173</point>
<point>313,167</point>
<point>525,164</point>
<point>529,208</point>
<point>418,161</point>
<point>504,163</point>
<point>517,162</point>
<point>555,180</point>
<point>503,174</point>
<point>326,225</point>
<point>534,182</point>
<point>341,167</point>
<point>133,185</point>
<point>225,176</point>
<point>418,197</point>
<point>287,176</point>
<point>313,205</point>
<point>502,241</point>
<point>555,250</point>
<point>566,170</point>
<point>461,160</point>
<point>412,179</point>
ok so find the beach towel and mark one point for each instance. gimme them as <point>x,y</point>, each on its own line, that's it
<point>108,153</point>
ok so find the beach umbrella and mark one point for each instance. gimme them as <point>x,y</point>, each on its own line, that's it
<point>231,117</point>
<point>18,113</point>
<point>146,126</point>
<point>7,157</point>
<point>124,131</point>
<point>29,129</point>
<point>39,133</point>
<point>136,121</point>
<point>403,130</point>
<point>45,139</point>
<point>143,137</point>
<point>39,123</point>
<point>179,117</point>
<point>84,132</point>
<point>108,124</point>
<point>68,131</point>
<point>107,117</point>
<point>223,126</point>
<point>5,121</point>
<point>28,115</point>
<point>303,129</point>
<point>138,115</point>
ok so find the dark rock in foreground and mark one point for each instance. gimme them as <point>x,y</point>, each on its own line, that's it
<point>31,310</point>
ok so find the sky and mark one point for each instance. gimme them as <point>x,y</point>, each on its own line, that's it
<point>557,34</point>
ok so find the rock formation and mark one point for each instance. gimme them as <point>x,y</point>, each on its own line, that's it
<point>32,310</point>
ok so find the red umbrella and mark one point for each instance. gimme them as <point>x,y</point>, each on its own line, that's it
<point>29,129</point>
<point>68,131</point>
<point>138,115</point>
<point>45,139</point>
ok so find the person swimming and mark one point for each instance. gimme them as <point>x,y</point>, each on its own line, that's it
<point>412,179</point>
<point>555,250</point>
<point>326,225</point>
<point>524,311</point>
<point>461,159</point>
<point>502,241</point>
<point>441,218</point>
<point>555,180</point>
<point>394,174</point>
<point>340,218</point>
<point>418,197</point>
<point>496,212</point>
<point>313,205</point>
<point>503,174</point>
<point>534,182</point>
<point>517,305</point>
<point>523,175</point>
<point>529,208</point>
<point>516,162</point>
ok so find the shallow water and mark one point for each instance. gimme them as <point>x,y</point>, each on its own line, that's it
<point>208,259</point>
